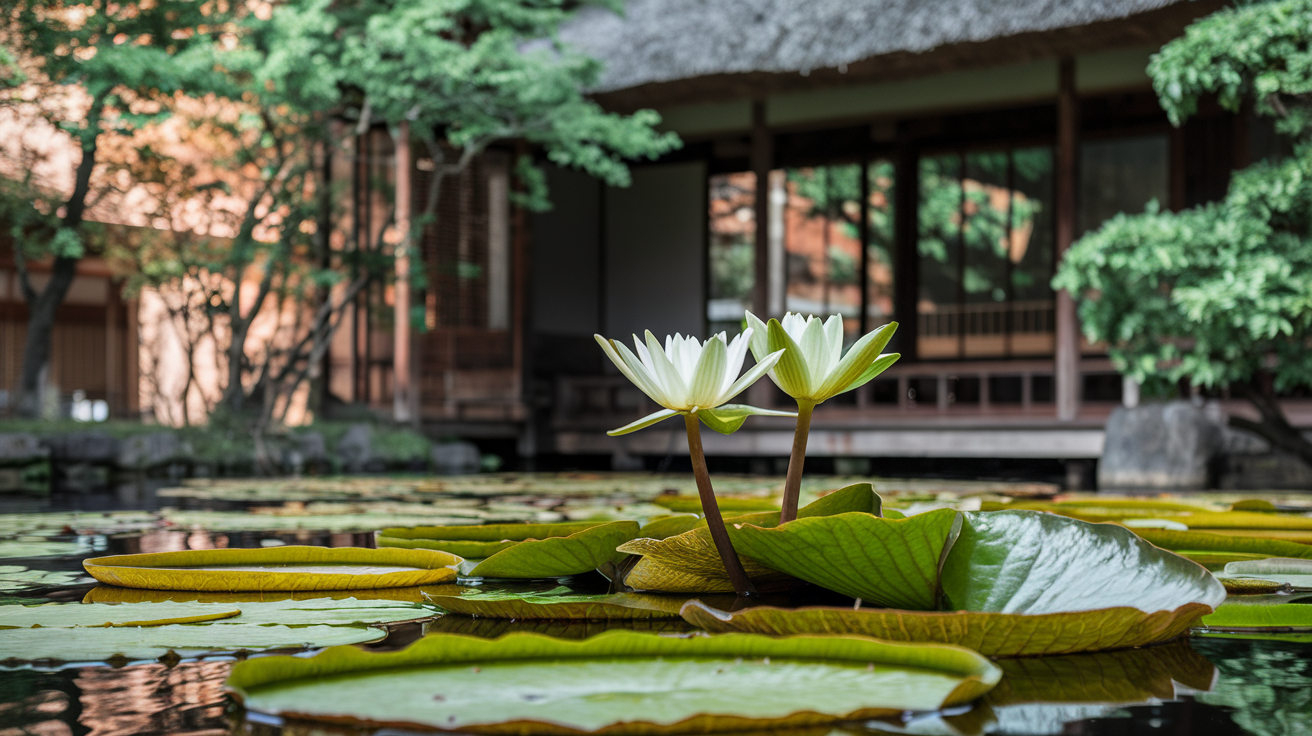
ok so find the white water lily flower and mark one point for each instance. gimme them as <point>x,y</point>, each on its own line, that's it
<point>688,376</point>
<point>813,367</point>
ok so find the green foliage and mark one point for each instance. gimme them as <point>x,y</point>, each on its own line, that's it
<point>1220,293</point>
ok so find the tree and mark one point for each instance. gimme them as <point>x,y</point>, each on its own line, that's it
<point>1219,295</point>
<point>460,76</point>
<point>90,70</point>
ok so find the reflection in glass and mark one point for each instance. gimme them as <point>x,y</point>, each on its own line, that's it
<point>822,243</point>
<point>1122,175</point>
<point>985,247</point>
<point>879,244</point>
<point>732,254</point>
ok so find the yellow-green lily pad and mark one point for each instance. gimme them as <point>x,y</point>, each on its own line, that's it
<point>619,681</point>
<point>580,552</point>
<point>483,540</point>
<point>558,604</point>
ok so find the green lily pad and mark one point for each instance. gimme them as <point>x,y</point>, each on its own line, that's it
<point>617,681</point>
<point>1204,546</point>
<point>1028,582</point>
<point>889,562</point>
<point>482,540</point>
<point>24,549</point>
<point>343,612</point>
<point>186,640</point>
<point>275,568</point>
<point>1032,562</point>
<point>485,627</point>
<point>690,563</point>
<point>580,552</point>
<point>693,504</point>
<point>243,521</point>
<point>17,577</point>
<point>561,603</point>
<point>990,634</point>
<point>1271,566</point>
<point>670,526</point>
<point>1251,617</point>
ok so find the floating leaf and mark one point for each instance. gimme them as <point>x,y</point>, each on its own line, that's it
<point>727,504</point>
<point>115,594</point>
<point>17,577</point>
<point>67,615</point>
<point>670,526</point>
<point>186,640</point>
<point>494,628</point>
<point>482,540</point>
<point>1271,566</point>
<point>690,563</point>
<point>25,549</point>
<point>1031,562</point>
<point>990,634</point>
<point>1250,616</point>
<point>559,604</point>
<point>617,681</point>
<point>276,568</point>
<point>1193,543</point>
<point>580,552</point>
<point>344,612</point>
<point>890,562</point>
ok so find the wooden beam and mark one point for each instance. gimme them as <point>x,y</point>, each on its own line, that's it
<point>401,403</point>
<point>1067,377</point>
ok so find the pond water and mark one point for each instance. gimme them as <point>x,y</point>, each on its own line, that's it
<point>1195,686</point>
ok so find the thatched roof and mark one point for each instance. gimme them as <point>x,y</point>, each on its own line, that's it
<point>662,41</point>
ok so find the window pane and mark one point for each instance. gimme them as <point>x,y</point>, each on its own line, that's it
<point>1031,252</point>
<point>822,242</point>
<point>732,250</point>
<point>879,278</point>
<point>939,249</point>
<point>1122,175</point>
<point>984,276</point>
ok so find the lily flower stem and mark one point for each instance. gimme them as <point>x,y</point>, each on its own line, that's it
<point>793,483</point>
<point>714,521</point>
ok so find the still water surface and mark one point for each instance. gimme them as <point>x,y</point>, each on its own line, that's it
<point>1199,686</point>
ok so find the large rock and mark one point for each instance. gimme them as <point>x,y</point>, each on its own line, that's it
<point>21,448</point>
<point>153,450</point>
<point>1166,446</point>
<point>94,448</point>
<point>355,450</point>
<point>455,458</point>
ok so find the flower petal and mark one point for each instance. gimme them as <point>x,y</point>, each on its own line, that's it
<point>751,376</point>
<point>632,368</point>
<point>646,421</point>
<point>667,373</point>
<point>813,346</point>
<point>834,338</point>
<point>880,365</point>
<point>791,372</point>
<point>733,361</point>
<point>707,378</point>
<point>729,418</point>
<point>855,363</point>
<point>760,336</point>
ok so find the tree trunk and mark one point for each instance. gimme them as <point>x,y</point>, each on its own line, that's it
<point>1273,427</point>
<point>40,330</point>
<point>42,307</point>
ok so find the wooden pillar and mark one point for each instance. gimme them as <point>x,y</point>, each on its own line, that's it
<point>762,156</point>
<point>1067,377</point>
<point>401,405</point>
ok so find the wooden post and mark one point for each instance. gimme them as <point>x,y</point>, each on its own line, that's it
<point>1067,377</point>
<point>401,409</point>
<point>115,390</point>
